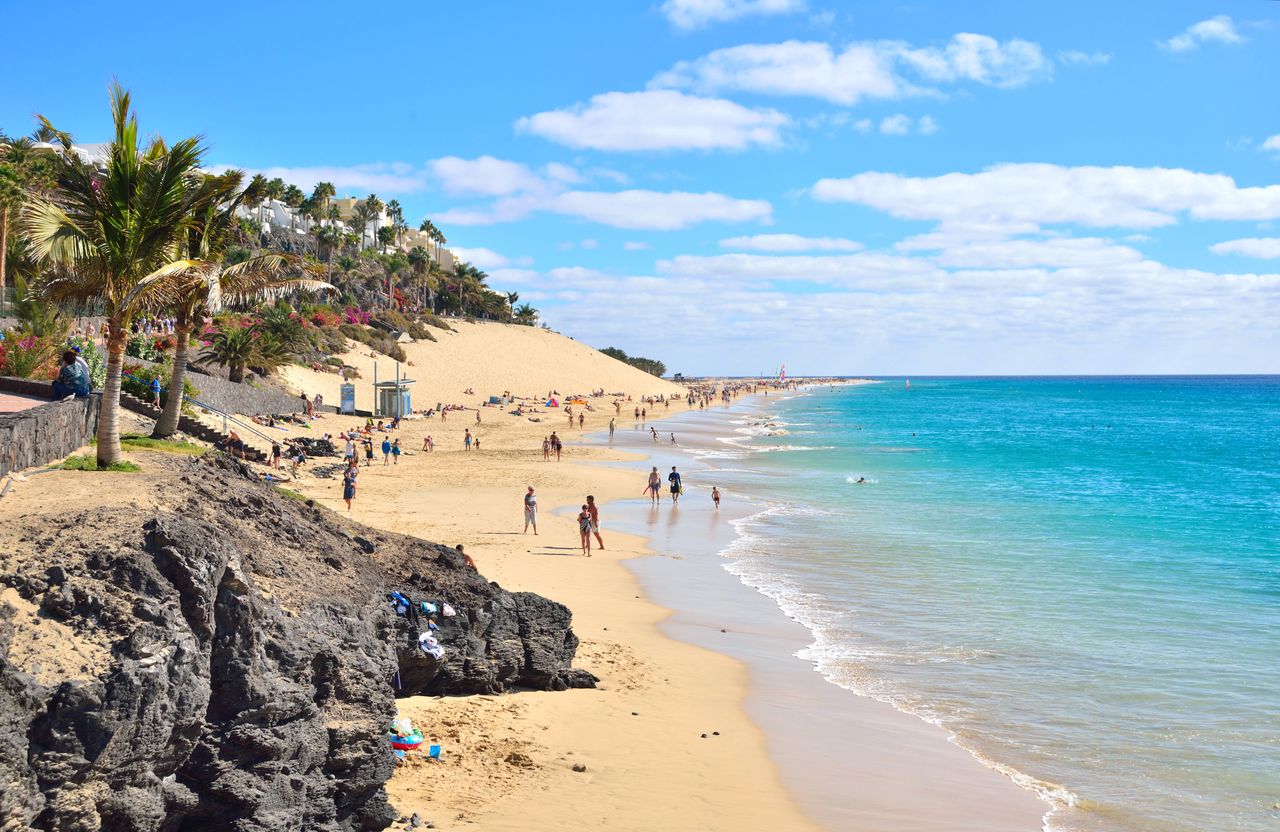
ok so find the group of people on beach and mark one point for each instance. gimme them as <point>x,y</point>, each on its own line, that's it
<point>588,520</point>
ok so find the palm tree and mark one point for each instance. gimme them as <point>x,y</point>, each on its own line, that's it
<point>210,235</point>
<point>386,237</point>
<point>419,262</point>
<point>526,314</point>
<point>374,206</point>
<point>293,197</point>
<point>321,194</point>
<point>361,215</point>
<point>115,235</point>
<point>22,173</point>
<point>512,297</point>
<point>233,347</point>
<point>257,194</point>
<point>435,234</point>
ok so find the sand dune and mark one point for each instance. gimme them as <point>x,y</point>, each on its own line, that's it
<point>489,358</point>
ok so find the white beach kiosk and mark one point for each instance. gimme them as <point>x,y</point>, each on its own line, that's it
<point>391,398</point>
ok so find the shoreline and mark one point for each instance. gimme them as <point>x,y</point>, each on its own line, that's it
<point>665,740</point>
<point>813,724</point>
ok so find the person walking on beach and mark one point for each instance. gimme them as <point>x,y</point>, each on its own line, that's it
<point>546,449</point>
<point>594,511</point>
<point>654,432</point>
<point>715,496</point>
<point>349,449</point>
<point>582,417</point>
<point>611,427</point>
<point>368,450</point>
<point>466,440</point>
<point>349,477</point>
<point>386,450</point>
<point>584,530</point>
<point>556,445</point>
<point>275,455</point>
<point>530,511</point>
<point>654,488</point>
<point>673,439</point>
<point>395,452</point>
<point>676,488</point>
<point>637,414</point>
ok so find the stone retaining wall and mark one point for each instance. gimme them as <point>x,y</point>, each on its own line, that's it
<point>46,432</point>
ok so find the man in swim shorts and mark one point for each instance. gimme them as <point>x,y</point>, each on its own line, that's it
<point>676,489</point>
<point>594,511</point>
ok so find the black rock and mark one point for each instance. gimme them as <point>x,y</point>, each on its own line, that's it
<point>216,706</point>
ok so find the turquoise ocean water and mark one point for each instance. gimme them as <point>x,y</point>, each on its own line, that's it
<point>1078,577</point>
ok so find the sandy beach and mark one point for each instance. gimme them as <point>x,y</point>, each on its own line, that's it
<point>667,738</point>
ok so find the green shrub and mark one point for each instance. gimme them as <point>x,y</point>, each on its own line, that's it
<point>89,462</point>
<point>137,382</point>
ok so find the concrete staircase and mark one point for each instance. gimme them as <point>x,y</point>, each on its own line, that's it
<point>189,426</point>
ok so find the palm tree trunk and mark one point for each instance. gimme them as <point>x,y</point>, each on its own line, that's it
<point>4,249</point>
<point>109,411</point>
<point>167,424</point>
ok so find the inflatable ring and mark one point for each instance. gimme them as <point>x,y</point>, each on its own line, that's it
<point>406,743</point>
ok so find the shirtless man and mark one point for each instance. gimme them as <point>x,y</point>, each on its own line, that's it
<point>594,511</point>
<point>654,488</point>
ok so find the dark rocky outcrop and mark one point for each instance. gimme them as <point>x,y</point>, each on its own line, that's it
<point>228,661</point>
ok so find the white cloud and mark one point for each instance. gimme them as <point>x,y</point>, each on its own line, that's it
<point>481,258</point>
<point>863,125</point>
<point>590,244</point>
<point>658,210</point>
<point>866,69</point>
<point>789,242</point>
<point>657,120</point>
<point>895,125</point>
<point>1263,248</point>
<point>1068,252</point>
<point>381,178</point>
<point>1220,29</point>
<point>1021,197</point>
<point>694,14</point>
<point>1076,57</point>
<point>483,176</point>
<point>927,126</point>
<point>1272,143</point>
<point>632,245</point>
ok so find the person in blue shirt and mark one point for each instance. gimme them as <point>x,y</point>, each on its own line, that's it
<point>72,380</point>
<point>155,391</point>
<point>386,450</point>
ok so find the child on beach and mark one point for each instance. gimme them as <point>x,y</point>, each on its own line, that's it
<point>715,496</point>
<point>349,477</point>
<point>584,530</point>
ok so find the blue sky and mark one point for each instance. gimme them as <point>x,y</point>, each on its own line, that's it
<point>727,185</point>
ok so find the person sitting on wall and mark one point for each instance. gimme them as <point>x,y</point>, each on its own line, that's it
<point>72,380</point>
